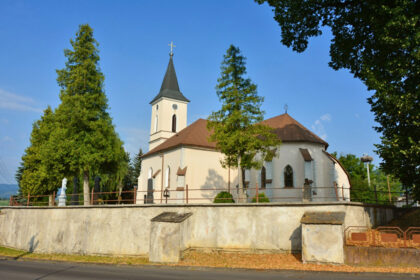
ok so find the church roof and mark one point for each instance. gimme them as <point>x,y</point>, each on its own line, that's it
<point>170,87</point>
<point>197,135</point>
<point>290,130</point>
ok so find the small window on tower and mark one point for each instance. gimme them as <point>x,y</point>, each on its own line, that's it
<point>157,107</point>
<point>174,123</point>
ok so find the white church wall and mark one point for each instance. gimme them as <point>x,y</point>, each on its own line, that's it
<point>205,175</point>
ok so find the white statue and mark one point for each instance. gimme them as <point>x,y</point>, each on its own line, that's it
<point>62,196</point>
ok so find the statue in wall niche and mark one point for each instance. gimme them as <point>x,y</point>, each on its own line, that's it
<point>62,197</point>
<point>307,190</point>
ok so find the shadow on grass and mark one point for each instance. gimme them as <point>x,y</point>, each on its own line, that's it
<point>32,245</point>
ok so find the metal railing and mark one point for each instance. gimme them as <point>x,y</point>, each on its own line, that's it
<point>200,195</point>
<point>383,236</point>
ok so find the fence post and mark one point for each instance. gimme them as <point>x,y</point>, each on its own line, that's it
<point>29,197</point>
<point>91,197</point>
<point>135,195</point>
<point>186,189</point>
<point>11,201</point>
<point>53,200</point>
<point>256,192</point>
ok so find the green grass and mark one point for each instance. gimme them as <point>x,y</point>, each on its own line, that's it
<point>4,202</point>
<point>18,254</point>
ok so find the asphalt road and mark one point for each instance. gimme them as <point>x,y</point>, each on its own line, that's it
<point>11,269</point>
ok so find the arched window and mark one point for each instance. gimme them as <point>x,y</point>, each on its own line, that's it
<point>174,123</point>
<point>263,177</point>
<point>149,176</point>
<point>167,177</point>
<point>156,123</point>
<point>288,176</point>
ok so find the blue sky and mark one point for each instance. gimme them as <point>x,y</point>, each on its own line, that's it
<point>134,38</point>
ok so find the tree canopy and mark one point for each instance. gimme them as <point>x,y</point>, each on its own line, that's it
<point>78,138</point>
<point>378,41</point>
<point>360,189</point>
<point>236,126</point>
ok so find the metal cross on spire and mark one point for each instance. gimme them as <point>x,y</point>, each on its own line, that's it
<point>172,48</point>
<point>285,108</point>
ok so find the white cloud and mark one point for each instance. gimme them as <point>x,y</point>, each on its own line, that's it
<point>325,117</point>
<point>134,139</point>
<point>6,139</point>
<point>17,102</point>
<point>318,126</point>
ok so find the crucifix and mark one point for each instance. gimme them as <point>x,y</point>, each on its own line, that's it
<point>285,108</point>
<point>172,48</point>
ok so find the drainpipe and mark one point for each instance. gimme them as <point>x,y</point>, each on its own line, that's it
<point>161,181</point>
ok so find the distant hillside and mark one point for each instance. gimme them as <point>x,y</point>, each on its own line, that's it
<point>6,190</point>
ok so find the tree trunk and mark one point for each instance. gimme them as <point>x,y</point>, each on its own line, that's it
<point>241,194</point>
<point>86,200</point>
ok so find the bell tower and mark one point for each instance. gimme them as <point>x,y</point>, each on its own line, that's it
<point>169,108</point>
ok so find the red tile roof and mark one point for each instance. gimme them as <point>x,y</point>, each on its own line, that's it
<point>197,135</point>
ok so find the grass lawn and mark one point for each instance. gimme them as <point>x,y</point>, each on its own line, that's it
<point>4,202</point>
<point>18,254</point>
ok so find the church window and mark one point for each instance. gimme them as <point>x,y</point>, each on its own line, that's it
<point>288,176</point>
<point>156,123</point>
<point>167,177</point>
<point>263,177</point>
<point>157,107</point>
<point>174,123</point>
<point>149,176</point>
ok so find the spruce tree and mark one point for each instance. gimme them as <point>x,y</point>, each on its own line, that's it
<point>39,172</point>
<point>244,142</point>
<point>88,143</point>
<point>137,166</point>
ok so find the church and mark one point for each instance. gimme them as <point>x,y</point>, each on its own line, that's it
<point>183,166</point>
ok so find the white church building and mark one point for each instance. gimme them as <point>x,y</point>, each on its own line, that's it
<point>182,166</point>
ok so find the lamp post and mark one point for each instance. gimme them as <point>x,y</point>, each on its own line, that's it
<point>367,159</point>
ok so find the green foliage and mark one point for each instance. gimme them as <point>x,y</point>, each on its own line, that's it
<point>378,42</point>
<point>360,190</point>
<point>224,197</point>
<point>137,166</point>
<point>78,138</point>
<point>87,141</point>
<point>236,128</point>
<point>38,173</point>
<point>261,198</point>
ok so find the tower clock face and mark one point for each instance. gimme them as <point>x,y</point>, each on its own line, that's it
<point>174,106</point>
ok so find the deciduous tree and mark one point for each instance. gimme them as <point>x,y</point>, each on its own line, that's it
<point>378,41</point>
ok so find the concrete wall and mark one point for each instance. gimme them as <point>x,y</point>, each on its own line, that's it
<point>125,230</point>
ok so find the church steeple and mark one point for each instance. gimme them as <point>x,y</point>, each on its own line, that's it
<point>169,108</point>
<point>170,87</point>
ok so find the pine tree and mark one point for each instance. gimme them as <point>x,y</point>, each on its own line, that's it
<point>244,142</point>
<point>86,139</point>
<point>137,166</point>
<point>39,173</point>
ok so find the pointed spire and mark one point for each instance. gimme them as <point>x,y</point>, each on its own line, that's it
<point>170,87</point>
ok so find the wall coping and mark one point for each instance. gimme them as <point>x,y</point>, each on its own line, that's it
<point>271,204</point>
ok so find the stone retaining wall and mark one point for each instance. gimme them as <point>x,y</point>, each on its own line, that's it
<point>125,230</point>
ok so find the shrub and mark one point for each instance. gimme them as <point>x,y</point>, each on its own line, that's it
<point>224,197</point>
<point>261,198</point>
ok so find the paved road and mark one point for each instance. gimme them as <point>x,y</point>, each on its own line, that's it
<point>11,269</point>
